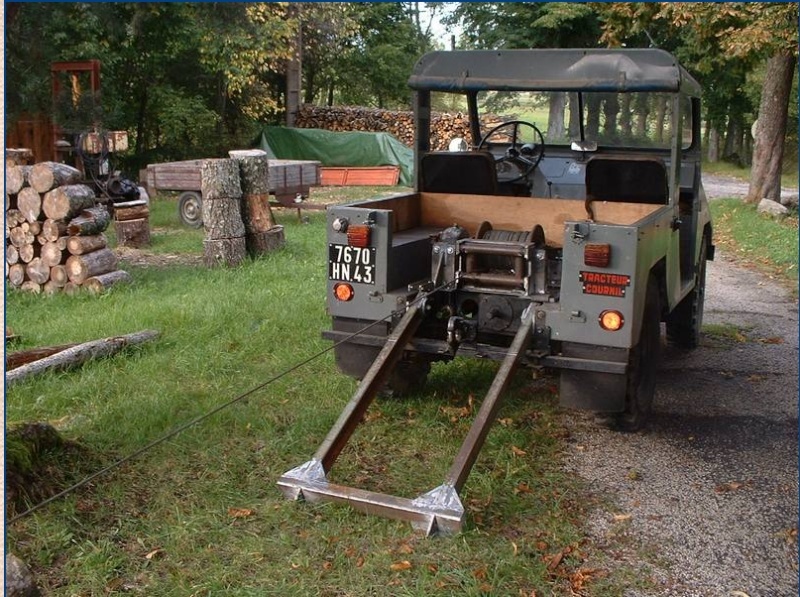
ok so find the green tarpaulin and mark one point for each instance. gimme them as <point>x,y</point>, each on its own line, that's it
<point>338,148</point>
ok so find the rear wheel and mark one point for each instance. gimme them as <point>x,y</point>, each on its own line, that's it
<point>642,366</point>
<point>190,209</point>
<point>685,321</point>
<point>408,376</point>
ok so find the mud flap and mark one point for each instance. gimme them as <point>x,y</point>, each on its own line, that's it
<point>593,390</point>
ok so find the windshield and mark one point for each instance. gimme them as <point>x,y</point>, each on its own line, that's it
<point>642,120</point>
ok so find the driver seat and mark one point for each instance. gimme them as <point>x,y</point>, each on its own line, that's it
<point>467,172</point>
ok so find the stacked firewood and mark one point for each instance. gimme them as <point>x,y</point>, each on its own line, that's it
<point>54,232</point>
<point>444,126</point>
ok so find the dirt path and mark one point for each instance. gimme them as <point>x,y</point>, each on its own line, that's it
<point>705,502</point>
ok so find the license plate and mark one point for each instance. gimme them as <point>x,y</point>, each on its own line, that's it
<point>351,264</point>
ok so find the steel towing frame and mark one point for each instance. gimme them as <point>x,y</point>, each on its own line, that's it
<point>439,510</point>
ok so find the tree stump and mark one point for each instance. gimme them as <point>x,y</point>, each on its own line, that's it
<point>256,213</point>
<point>264,242</point>
<point>64,203</point>
<point>220,184</point>
<point>45,176</point>
<point>133,233</point>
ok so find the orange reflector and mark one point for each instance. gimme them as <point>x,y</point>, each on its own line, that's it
<point>343,292</point>
<point>597,255</point>
<point>611,320</point>
<point>358,235</point>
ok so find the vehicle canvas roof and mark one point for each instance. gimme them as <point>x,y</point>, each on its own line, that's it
<point>615,70</point>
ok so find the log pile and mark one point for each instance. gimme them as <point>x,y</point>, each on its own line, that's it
<point>54,232</point>
<point>444,126</point>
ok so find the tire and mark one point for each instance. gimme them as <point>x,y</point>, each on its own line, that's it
<point>190,209</point>
<point>642,366</point>
<point>407,378</point>
<point>686,320</point>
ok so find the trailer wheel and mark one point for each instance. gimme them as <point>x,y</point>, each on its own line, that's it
<point>643,363</point>
<point>190,209</point>
<point>407,378</point>
<point>685,321</point>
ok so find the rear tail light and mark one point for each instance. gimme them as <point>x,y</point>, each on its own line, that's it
<point>358,235</point>
<point>597,255</point>
<point>343,292</point>
<point>611,320</point>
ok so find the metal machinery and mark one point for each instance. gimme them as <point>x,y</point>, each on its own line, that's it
<point>563,250</point>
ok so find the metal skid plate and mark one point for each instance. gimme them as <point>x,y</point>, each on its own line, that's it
<point>437,511</point>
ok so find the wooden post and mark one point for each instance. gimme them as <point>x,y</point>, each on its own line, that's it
<point>221,188</point>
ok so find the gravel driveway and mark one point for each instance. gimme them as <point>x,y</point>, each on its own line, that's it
<point>705,501</point>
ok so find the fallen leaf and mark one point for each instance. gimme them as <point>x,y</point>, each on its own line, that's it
<point>350,552</point>
<point>240,512</point>
<point>522,488</point>
<point>434,568</point>
<point>505,422</point>
<point>518,451</point>
<point>740,337</point>
<point>553,560</point>
<point>773,340</point>
<point>405,548</point>
<point>634,475</point>
<point>732,486</point>
<point>739,594</point>
<point>621,517</point>
<point>155,554</point>
<point>479,574</point>
<point>516,549</point>
<point>542,545</point>
<point>360,562</point>
<point>755,377</point>
<point>398,566</point>
<point>327,565</point>
<point>486,588</point>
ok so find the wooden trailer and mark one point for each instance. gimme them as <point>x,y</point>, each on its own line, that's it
<point>290,182</point>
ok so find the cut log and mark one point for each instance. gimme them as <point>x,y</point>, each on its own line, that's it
<point>222,218</point>
<point>51,287</point>
<point>90,221</point>
<point>53,229</point>
<point>256,213</point>
<point>81,267</point>
<point>29,203</point>
<point>223,252</point>
<point>128,211</point>
<point>79,245</point>
<point>33,227</point>
<point>14,218</point>
<point>16,178</point>
<point>27,252</point>
<point>45,176</point>
<point>98,284</point>
<point>19,236</point>
<point>219,179</point>
<point>38,271</point>
<point>52,255</point>
<point>253,173</point>
<point>133,233</point>
<point>23,357</point>
<point>77,355</point>
<point>71,289</point>
<point>58,275</point>
<point>16,275</point>
<point>31,286</point>
<point>12,254</point>
<point>64,203</point>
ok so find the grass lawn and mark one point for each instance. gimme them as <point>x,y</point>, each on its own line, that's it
<point>201,514</point>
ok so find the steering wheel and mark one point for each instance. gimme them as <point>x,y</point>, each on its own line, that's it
<point>523,156</point>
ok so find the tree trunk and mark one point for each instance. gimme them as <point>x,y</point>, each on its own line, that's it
<point>79,354</point>
<point>610,111</point>
<point>713,145</point>
<point>23,357</point>
<point>765,175</point>
<point>625,116</point>
<point>66,202</point>
<point>222,219</point>
<point>555,123</point>
<point>38,271</point>
<point>259,243</point>
<point>227,252</point>
<point>99,284</point>
<point>45,176</point>
<point>79,245</point>
<point>661,115</point>
<point>29,203</point>
<point>90,222</point>
<point>81,267</point>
